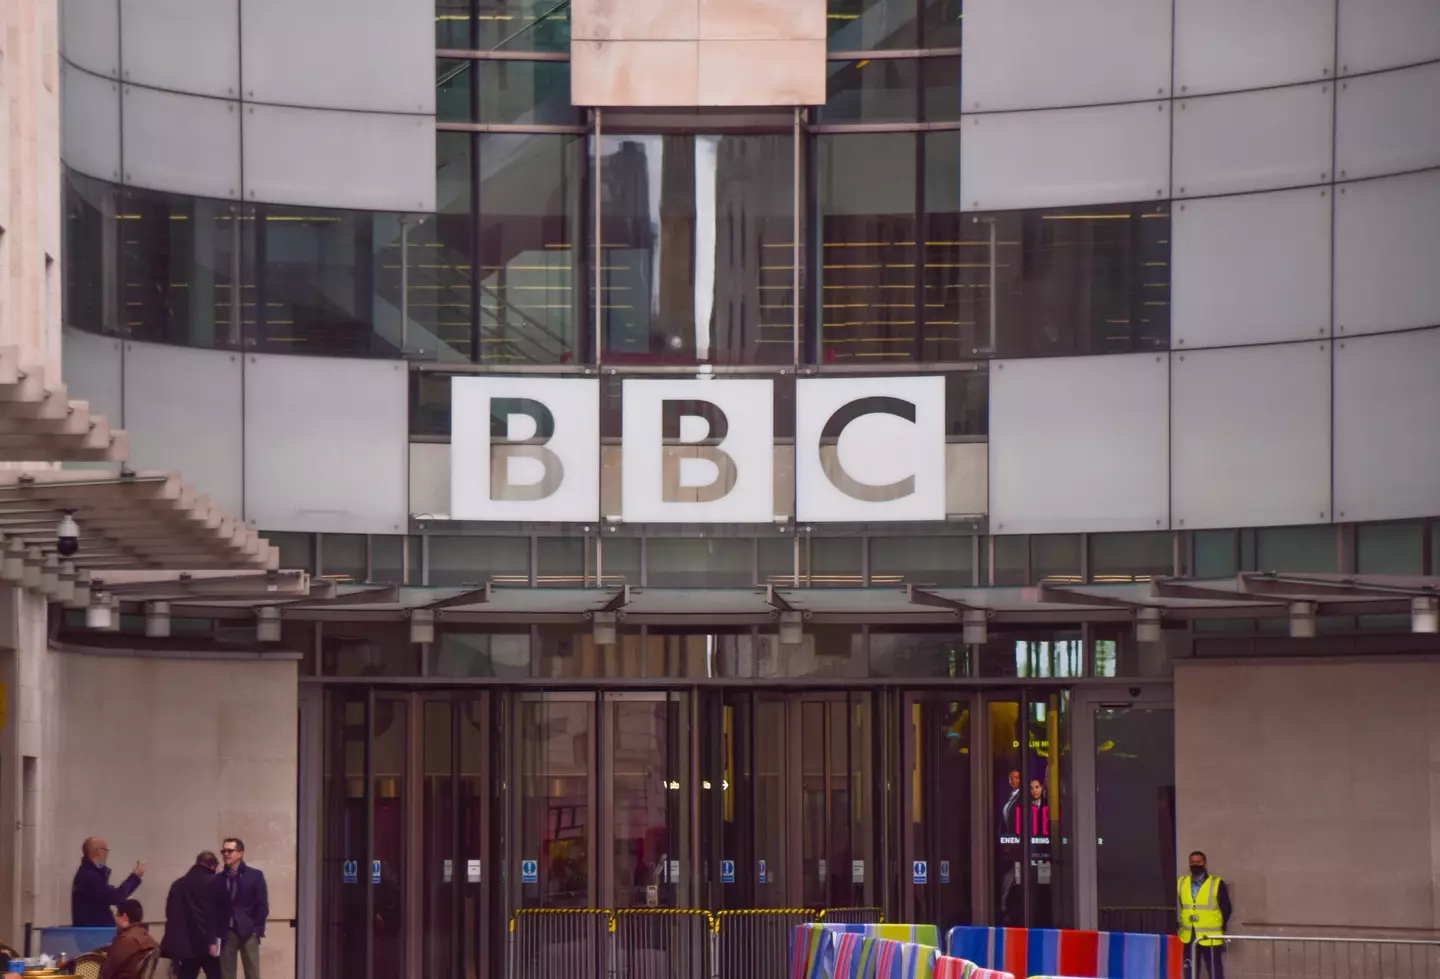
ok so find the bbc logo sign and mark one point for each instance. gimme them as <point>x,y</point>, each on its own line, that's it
<point>698,450</point>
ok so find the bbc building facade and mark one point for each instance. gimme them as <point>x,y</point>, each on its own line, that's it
<point>776,437</point>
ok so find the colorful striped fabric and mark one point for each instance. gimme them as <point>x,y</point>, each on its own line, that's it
<point>854,957</point>
<point>1037,952</point>
<point>903,960</point>
<point>949,967</point>
<point>812,949</point>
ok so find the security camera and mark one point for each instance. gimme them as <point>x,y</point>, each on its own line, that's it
<point>68,535</point>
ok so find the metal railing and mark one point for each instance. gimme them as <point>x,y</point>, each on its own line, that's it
<point>1145,920</point>
<point>853,916</point>
<point>662,943</point>
<point>1304,957</point>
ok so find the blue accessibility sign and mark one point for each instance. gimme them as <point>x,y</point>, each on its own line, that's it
<point>529,871</point>
<point>727,871</point>
<point>919,872</point>
<point>764,877</point>
<point>350,871</point>
<point>375,872</point>
<point>944,871</point>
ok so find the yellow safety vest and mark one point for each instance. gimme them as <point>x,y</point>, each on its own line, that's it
<point>1200,915</point>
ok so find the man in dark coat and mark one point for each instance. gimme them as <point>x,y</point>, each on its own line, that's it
<point>91,896</point>
<point>242,905</point>
<point>190,926</point>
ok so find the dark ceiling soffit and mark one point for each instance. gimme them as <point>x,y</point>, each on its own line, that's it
<point>479,596</point>
<point>1168,588</point>
<point>368,596</point>
<point>1054,594</point>
<point>918,596</point>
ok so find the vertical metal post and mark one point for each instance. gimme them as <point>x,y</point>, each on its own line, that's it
<point>994,275</point>
<point>598,257</point>
<point>795,280</point>
<point>405,284</point>
<point>237,292</point>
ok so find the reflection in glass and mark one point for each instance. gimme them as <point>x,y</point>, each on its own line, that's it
<point>689,562</point>
<point>498,654</point>
<point>522,25</point>
<point>1135,818</point>
<point>650,784</point>
<point>177,259</point>
<point>390,775</point>
<point>940,91</point>
<point>454,78</point>
<point>1009,781</point>
<point>926,560</point>
<point>938,758</point>
<point>867,25</point>
<point>1298,549</point>
<point>1061,281</point>
<point>940,23</point>
<point>532,301</point>
<point>834,804</point>
<point>1390,548</point>
<point>880,90</point>
<point>345,819</point>
<point>866,186</point>
<point>554,747</point>
<point>438,840</point>
<point>917,654</point>
<point>1131,557</point>
<point>526,93</point>
<point>560,562</point>
<point>698,248</point>
<point>441,279</point>
<point>474,561</point>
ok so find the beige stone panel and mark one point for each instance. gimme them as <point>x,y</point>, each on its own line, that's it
<point>754,73</point>
<point>633,73</point>
<point>634,20</point>
<point>762,20</point>
<point>967,478</point>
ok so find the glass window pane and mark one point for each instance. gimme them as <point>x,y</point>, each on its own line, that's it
<point>440,276</point>
<point>429,403</point>
<point>342,557</point>
<point>529,92</point>
<point>868,25</point>
<point>477,560</point>
<point>454,78</point>
<point>523,25</point>
<point>940,23</point>
<point>943,560</point>
<point>951,333</point>
<point>297,551</point>
<point>907,654</point>
<point>873,90</point>
<point>836,562</point>
<point>1012,560</point>
<point>1127,557</point>
<point>453,24</point>
<point>372,649</point>
<point>1214,553</point>
<point>176,260</point>
<point>621,561</point>
<point>940,89</point>
<point>690,562</point>
<point>867,243</point>
<point>90,228</point>
<point>1055,556</point>
<point>560,562</point>
<point>1390,548</point>
<point>502,654</point>
<point>388,563</point>
<point>1297,549</point>
<point>1090,280</point>
<point>707,277</point>
<point>777,561</point>
<point>531,298</point>
<point>967,403</point>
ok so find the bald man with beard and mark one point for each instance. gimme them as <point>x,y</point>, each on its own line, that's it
<point>91,896</point>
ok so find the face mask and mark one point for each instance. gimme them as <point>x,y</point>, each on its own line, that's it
<point>1197,871</point>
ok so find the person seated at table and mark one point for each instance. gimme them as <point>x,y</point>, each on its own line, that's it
<point>126,956</point>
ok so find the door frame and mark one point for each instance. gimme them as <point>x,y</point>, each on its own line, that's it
<point>1086,702</point>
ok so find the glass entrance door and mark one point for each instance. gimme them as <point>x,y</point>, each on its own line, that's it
<point>937,828</point>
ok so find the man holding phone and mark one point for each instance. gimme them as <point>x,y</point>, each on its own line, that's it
<point>91,896</point>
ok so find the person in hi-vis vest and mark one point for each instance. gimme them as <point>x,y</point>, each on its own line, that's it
<point>1204,908</point>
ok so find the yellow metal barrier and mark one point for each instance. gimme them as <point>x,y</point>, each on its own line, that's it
<point>853,916</point>
<point>755,943</point>
<point>561,943</point>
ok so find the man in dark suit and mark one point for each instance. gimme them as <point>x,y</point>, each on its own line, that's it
<point>190,925</point>
<point>242,905</point>
<point>91,896</point>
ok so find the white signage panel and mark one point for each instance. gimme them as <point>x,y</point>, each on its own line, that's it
<point>524,448</point>
<point>870,448</point>
<point>697,450</point>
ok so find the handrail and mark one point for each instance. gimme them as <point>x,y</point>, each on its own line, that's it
<point>1330,939</point>
<point>531,25</point>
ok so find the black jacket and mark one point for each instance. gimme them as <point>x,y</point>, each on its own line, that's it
<point>246,912</point>
<point>92,897</point>
<point>190,925</point>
